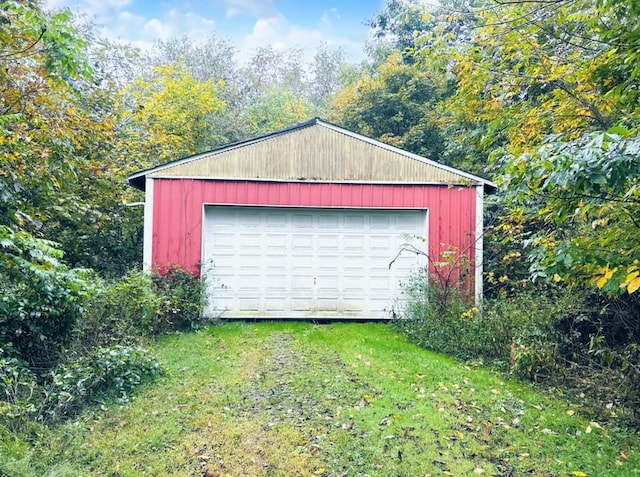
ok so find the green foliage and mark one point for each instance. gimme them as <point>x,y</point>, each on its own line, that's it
<point>18,389</point>
<point>443,320</point>
<point>582,343</point>
<point>181,300</point>
<point>167,115</point>
<point>438,318</point>
<point>395,104</point>
<point>277,109</point>
<point>104,373</point>
<point>140,305</point>
<point>42,61</point>
<point>396,27</point>
<point>121,311</point>
<point>42,299</point>
<point>587,195</point>
<point>99,375</point>
<point>530,69</point>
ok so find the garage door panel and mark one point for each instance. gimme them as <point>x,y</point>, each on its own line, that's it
<point>275,221</point>
<point>284,262</point>
<point>328,242</point>
<point>249,220</point>
<point>301,242</point>
<point>275,304</point>
<point>327,305</point>
<point>277,284</point>
<point>354,242</point>
<point>301,304</point>
<point>302,221</point>
<point>328,221</point>
<point>276,241</point>
<point>354,221</point>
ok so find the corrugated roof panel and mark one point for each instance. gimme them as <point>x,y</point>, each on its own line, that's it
<point>314,153</point>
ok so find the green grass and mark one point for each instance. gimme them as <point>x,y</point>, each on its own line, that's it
<point>352,399</point>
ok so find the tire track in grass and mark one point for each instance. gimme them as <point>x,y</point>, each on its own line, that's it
<point>262,428</point>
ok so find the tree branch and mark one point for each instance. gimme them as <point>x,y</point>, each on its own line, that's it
<point>12,54</point>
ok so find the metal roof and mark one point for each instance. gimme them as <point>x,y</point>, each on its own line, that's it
<point>313,151</point>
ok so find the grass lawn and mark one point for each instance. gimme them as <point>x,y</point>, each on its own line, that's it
<point>346,399</point>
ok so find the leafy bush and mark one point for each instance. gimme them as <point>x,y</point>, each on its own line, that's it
<point>120,312</point>
<point>17,388</point>
<point>181,295</point>
<point>141,305</point>
<point>41,300</point>
<point>432,316</point>
<point>105,372</point>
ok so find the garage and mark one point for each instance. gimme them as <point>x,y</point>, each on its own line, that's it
<point>308,262</point>
<point>304,222</point>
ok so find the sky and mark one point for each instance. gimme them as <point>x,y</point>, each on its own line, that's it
<point>249,24</point>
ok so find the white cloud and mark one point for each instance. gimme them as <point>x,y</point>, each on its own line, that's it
<point>256,8</point>
<point>328,16</point>
<point>175,23</point>
<point>278,32</point>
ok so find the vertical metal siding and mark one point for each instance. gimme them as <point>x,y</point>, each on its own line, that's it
<point>178,210</point>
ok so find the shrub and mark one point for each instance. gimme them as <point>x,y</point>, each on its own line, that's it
<point>141,305</point>
<point>41,300</point>
<point>18,391</point>
<point>105,372</point>
<point>570,339</point>
<point>181,296</point>
<point>438,318</point>
<point>119,313</point>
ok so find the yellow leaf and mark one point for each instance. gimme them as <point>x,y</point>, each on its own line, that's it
<point>578,473</point>
<point>602,281</point>
<point>633,286</point>
<point>570,412</point>
<point>605,274</point>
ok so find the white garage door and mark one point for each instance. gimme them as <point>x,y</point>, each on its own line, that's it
<point>307,263</point>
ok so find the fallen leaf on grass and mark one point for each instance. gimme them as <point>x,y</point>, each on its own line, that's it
<point>570,412</point>
<point>578,473</point>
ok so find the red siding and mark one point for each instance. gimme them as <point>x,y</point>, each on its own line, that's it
<point>178,210</point>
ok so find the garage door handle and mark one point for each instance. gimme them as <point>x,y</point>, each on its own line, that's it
<point>314,281</point>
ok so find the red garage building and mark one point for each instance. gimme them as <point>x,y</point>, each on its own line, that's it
<point>309,222</point>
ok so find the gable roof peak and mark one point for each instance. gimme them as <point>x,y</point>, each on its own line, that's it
<point>335,155</point>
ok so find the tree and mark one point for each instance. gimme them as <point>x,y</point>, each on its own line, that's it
<point>212,60</point>
<point>549,89</point>
<point>533,69</point>
<point>277,109</point>
<point>58,176</point>
<point>396,28</point>
<point>166,116</point>
<point>325,76</point>
<point>586,196</point>
<point>42,62</point>
<point>395,104</point>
